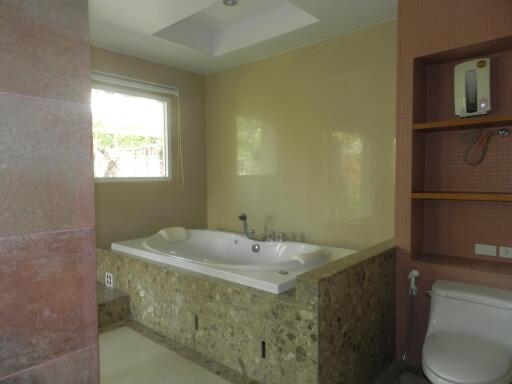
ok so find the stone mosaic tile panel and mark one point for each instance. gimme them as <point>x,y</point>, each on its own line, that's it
<point>233,320</point>
<point>357,321</point>
<point>113,306</point>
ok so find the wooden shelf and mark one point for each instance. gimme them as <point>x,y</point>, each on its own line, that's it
<point>465,123</point>
<point>439,218</point>
<point>462,196</point>
<point>486,264</point>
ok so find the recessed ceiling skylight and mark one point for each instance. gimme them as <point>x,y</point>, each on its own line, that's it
<point>218,29</point>
<point>230,3</point>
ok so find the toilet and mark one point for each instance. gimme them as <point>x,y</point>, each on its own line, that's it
<point>469,335</point>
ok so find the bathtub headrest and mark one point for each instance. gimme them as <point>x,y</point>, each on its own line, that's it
<point>173,234</point>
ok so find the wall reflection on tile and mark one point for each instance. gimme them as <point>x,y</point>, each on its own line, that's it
<point>256,150</point>
<point>304,141</point>
<point>343,173</point>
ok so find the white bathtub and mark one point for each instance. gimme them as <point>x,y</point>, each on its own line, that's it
<point>231,257</point>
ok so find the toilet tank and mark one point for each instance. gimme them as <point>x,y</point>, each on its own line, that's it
<point>471,309</point>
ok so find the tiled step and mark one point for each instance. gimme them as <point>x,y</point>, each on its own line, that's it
<point>113,306</point>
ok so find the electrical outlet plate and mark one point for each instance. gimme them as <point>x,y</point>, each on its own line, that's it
<point>485,250</point>
<point>109,279</point>
<point>506,252</point>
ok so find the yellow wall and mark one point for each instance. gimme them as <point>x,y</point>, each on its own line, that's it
<point>127,210</point>
<point>303,142</point>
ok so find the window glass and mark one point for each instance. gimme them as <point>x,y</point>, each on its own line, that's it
<point>129,134</point>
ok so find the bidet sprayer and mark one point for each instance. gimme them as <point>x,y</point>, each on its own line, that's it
<point>413,288</point>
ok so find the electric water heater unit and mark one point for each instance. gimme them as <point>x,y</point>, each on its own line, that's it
<point>472,87</point>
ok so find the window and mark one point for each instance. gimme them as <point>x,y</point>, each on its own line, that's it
<point>130,131</point>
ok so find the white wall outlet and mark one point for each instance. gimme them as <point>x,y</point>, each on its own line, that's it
<point>109,279</point>
<point>506,252</point>
<point>485,249</point>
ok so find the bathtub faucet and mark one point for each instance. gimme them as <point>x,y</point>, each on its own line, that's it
<point>247,232</point>
<point>251,234</point>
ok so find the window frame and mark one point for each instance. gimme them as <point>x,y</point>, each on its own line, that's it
<point>136,88</point>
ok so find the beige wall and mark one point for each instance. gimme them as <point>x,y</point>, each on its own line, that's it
<point>126,210</point>
<point>304,141</point>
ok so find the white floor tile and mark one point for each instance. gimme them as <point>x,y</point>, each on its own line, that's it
<point>126,357</point>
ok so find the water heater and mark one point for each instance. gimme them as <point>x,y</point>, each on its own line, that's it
<point>472,87</point>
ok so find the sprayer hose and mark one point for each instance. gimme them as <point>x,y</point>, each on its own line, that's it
<point>409,326</point>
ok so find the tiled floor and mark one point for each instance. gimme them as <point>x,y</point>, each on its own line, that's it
<point>133,354</point>
<point>396,374</point>
<point>127,357</point>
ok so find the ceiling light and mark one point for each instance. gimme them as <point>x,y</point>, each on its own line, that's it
<point>230,3</point>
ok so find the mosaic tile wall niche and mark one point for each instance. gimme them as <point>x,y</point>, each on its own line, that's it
<point>233,320</point>
<point>425,28</point>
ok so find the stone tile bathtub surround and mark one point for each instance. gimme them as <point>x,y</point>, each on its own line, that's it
<point>357,321</point>
<point>233,320</point>
<point>113,306</point>
<point>48,187</point>
<point>46,290</point>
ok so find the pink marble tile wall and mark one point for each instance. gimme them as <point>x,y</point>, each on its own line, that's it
<point>446,170</point>
<point>45,49</point>
<point>78,367</point>
<point>425,28</point>
<point>453,227</point>
<point>48,325</point>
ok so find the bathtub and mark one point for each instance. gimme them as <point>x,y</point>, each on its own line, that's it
<point>269,266</point>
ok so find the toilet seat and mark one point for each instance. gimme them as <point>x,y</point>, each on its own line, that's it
<point>455,358</point>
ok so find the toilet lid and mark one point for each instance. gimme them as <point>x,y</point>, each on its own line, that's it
<point>465,359</point>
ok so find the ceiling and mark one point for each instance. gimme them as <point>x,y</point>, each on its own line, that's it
<point>205,36</point>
